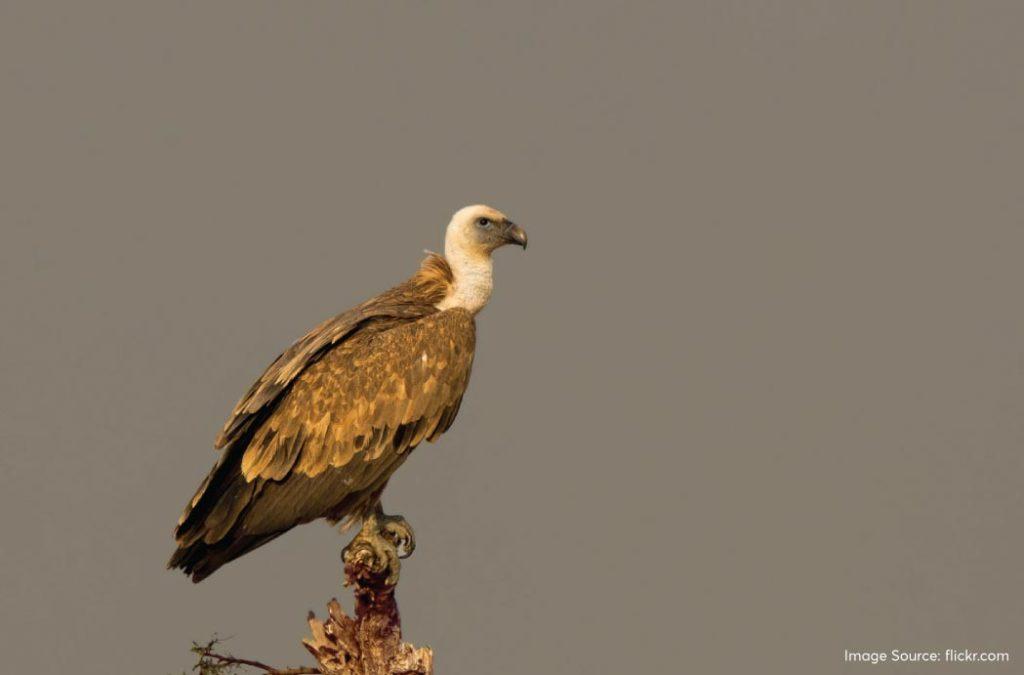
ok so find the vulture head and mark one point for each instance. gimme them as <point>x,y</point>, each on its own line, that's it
<point>479,230</point>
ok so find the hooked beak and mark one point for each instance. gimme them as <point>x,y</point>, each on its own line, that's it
<point>515,234</point>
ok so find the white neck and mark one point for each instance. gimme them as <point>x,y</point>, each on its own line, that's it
<point>474,278</point>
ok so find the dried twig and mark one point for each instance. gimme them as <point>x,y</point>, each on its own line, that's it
<point>206,652</point>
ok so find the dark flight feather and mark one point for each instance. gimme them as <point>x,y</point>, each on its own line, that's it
<point>321,431</point>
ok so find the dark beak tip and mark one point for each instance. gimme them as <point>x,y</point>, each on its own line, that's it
<point>517,235</point>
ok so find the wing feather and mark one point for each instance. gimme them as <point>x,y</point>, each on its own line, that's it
<point>334,437</point>
<point>409,301</point>
<point>379,392</point>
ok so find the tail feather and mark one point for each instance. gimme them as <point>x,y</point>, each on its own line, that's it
<point>199,559</point>
<point>213,515</point>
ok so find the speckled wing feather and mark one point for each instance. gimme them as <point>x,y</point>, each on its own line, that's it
<point>353,417</point>
<point>323,440</point>
<point>413,299</point>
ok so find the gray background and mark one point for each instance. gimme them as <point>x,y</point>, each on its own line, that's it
<point>752,397</point>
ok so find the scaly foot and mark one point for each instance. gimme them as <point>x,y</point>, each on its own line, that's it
<point>377,545</point>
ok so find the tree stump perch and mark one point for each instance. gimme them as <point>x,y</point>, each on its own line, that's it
<point>371,643</point>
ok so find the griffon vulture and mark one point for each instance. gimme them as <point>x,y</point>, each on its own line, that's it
<point>319,434</point>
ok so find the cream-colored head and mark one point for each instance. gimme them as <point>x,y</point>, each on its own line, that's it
<point>473,234</point>
<point>478,230</point>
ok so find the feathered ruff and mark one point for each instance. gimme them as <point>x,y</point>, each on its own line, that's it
<point>434,279</point>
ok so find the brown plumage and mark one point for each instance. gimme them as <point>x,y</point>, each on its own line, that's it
<point>321,431</point>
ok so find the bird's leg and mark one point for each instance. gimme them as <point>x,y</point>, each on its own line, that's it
<point>377,546</point>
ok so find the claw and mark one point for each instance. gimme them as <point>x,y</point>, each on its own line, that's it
<point>398,530</point>
<point>380,544</point>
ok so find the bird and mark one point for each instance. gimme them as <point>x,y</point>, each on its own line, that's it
<point>321,431</point>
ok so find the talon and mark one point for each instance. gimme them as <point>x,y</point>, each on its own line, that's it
<point>398,530</point>
<point>380,544</point>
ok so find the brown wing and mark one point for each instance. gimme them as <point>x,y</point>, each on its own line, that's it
<point>332,440</point>
<point>409,301</point>
<point>296,358</point>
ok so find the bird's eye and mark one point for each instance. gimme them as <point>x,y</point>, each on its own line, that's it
<point>483,222</point>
